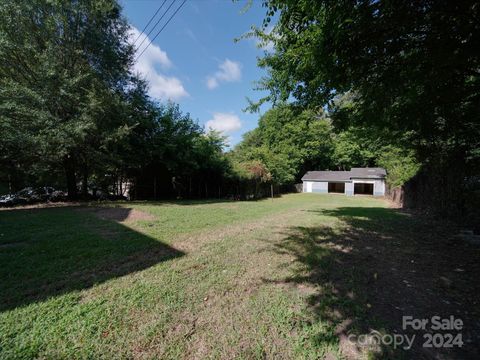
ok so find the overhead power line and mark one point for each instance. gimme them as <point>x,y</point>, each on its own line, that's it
<point>163,27</point>
<point>149,21</point>
<point>154,26</point>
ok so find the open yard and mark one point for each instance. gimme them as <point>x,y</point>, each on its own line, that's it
<point>289,278</point>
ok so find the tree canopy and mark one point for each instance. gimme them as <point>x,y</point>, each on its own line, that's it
<point>73,114</point>
<point>412,66</point>
<point>405,70</point>
<point>64,80</point>
<point>289,142</point>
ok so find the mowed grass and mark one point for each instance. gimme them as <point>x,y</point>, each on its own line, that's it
<point>195,279</point>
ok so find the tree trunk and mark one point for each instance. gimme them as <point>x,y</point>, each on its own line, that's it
<point>271,190</point>
<point>69,166</point>
<point>120,188</point>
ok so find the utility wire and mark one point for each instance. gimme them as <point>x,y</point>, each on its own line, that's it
<point>163,27</point>
<point>149,21</point>
<point>154,26</point>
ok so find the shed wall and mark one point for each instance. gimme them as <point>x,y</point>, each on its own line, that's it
<point>349,189</point>
<point>379,188</point>
<point>315,186</point>
<point>320,186</point>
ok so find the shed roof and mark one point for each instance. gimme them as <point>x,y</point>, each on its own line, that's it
<point>327,175</point>
<point>368,173</point>
<point>354,173</point>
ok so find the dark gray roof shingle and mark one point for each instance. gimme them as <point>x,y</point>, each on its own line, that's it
<point>327,175</point>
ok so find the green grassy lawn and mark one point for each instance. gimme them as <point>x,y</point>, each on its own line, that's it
<point>268,279</point>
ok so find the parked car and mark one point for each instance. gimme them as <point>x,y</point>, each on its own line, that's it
<point>30,195</point>
<point>11,200</point>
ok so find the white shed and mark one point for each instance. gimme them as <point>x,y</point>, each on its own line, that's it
<point>364,181</point>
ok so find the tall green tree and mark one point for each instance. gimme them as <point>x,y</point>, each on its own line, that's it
<point>289,141</point>
<point>413,65</point>
<point>64,72</point>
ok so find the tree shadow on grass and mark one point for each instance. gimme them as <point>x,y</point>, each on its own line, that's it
<point>48,252</point>
<point>381,265</point>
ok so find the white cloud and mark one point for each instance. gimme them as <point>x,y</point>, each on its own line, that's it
<point>212,82</point>
<point>161,85</point>
<point>169,87</point>
<point>228,71</point>
<point>225,123</point>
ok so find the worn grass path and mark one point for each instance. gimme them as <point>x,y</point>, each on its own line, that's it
<point>193,280</point>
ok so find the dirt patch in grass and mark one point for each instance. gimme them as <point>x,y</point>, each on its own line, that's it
<point>119,214</point>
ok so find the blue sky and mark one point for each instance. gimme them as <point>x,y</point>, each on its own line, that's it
<point>196,63</point>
